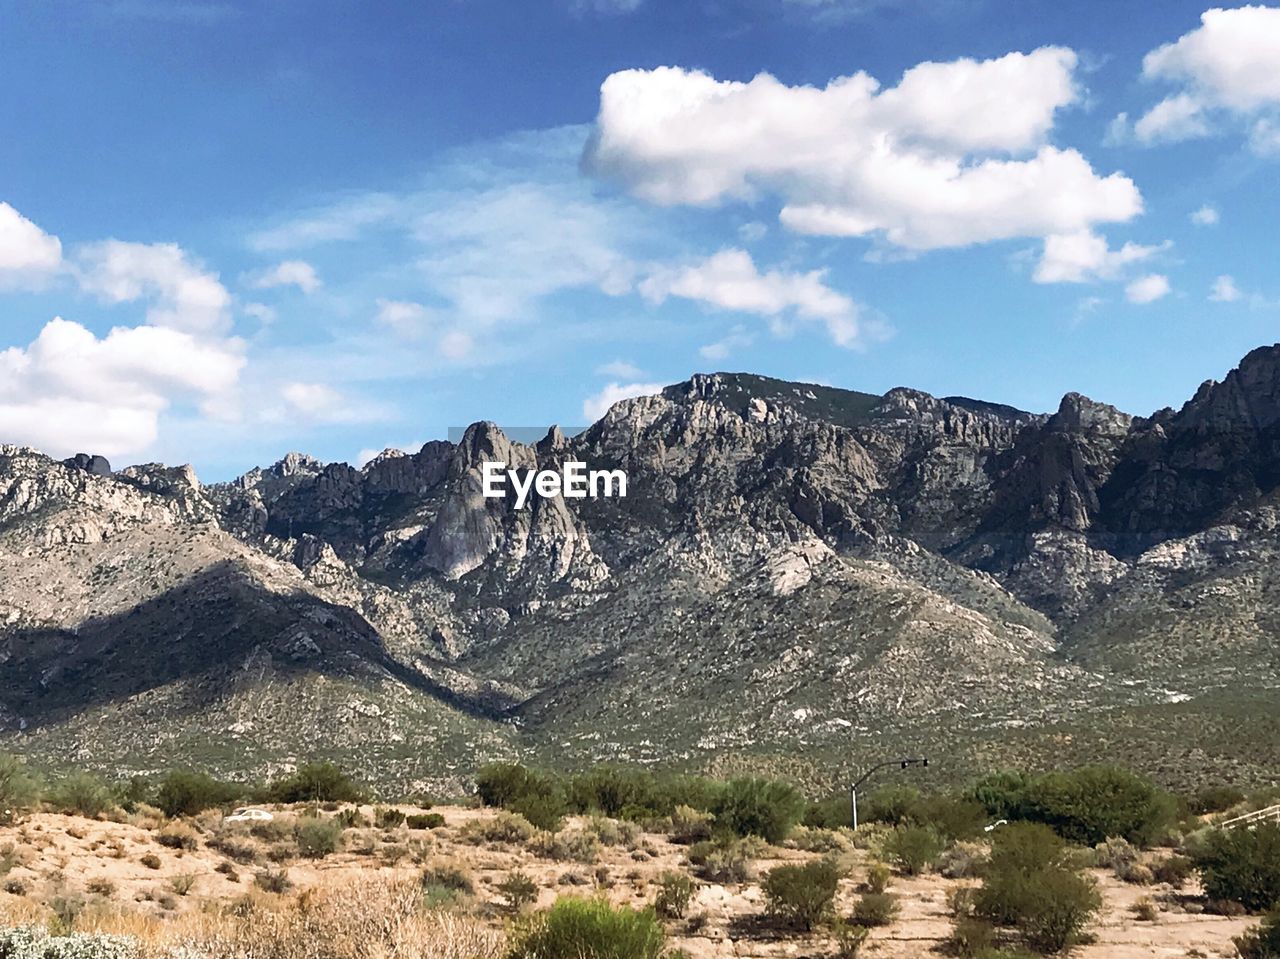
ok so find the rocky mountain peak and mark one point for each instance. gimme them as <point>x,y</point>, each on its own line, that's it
<point>90,463</point>
<point>1079,414</point>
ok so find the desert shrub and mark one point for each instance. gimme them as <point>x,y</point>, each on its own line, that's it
<point>875,909</point>
<point>150,860</point>
<point>588,929</point>
<point>317,838</point>
<point>35,943</point>
<point>1136,874</point>
<point>878,876</point>
<point>1085,805</point>
<point>689,825</point>
<point>448,875</point>
<point>1145,910</point>
<point>830,813</point>
<point>609,790</point>
<point>849,937</point>
<point>315,782</point>
<point>182,884</point>
<point>101,886</point>
<point>724,860</point>
<point>570,845</point>
<point>970,938</point>
<point>962,860</point>
<point>543,811</point>
<point>1213,799</point>
<point>825,841</point>
<point>801,895</point>
<point>1172,871</point>
<point>1115,854</point>
<point>351,818</point>
<point>19,788</point>
<point>1242,865</point>
<point>1060,906</point>
<point>675,890</point>
<point>178,835</point>
<point>767,808</point>
<point>273,880</point>
<point>388,817</point>
<point>504,827</point>
<point>519,890</point>
<point>913,849</point>
<point>611,832</point>
<point>186,793</point>
<point>1262,941</point>
<point>82,794</point>
<point>431,820</point>
<point>1023,848</point>
<point>891,805</point>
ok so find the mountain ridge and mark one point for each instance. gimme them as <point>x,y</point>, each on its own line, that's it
<point>795,567</point>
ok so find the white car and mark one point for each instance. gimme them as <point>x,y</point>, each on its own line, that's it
<point>250,815</point>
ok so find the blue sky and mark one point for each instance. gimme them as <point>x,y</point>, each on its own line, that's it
<point>232,229</point>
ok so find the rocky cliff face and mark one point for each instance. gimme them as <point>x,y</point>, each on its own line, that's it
<point>794,564</point>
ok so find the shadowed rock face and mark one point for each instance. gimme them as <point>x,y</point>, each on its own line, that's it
<point>788,558</point>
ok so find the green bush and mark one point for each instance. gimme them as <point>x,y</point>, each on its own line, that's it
<point>849,938</point>
<point>315,782</point>
<point>183,793</point>
<point>588,929</point>
<point>689,825</point>
<point>388,817</point>
<point>609,790</point>
<point>317,838</point>
<point>82,794</point>
<point>519,890</point>
<point>878,876</point>
<point>1262,941</point>
<point>875,909</point>
<point>1173,870</point>
<point>509,827</point>
<point>675,890</point>
<point>767,808</point>
<point>1242,865</point>
<point>544,811</point>
<point>19,788</point>
<point>1085,805</point>
<point>32,943</point>
<point>913,849</point>
<point>1213,799</point>
<point>431,820</point>
<point>1061,903</point>
<point>724,860</point>
<point>970,938</point>
<point>801,895</point>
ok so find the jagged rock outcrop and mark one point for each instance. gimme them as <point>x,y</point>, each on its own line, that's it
<point>793,565</point>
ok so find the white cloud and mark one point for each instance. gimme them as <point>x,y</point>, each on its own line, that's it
<point>596,405</point>
<point>28,255</point>
<point>342,221</point>
<point>184,297</point>
<point>70,391</point>
<point>752,232</point>
<point>456,345</point>
<point>1225,290</point>
<point>1147,289</point>
<point>1084,256</point>
<point>1227,64</point>
<point>404,318</point>
<point>1205,216</point>
<point>297,273</point>
<point>312,399</point>
<point>955,154</point>
<point>735,339</point>
<point>620,370</point>
<point>729,280</point>
<point>1264,137</point>
<point>260,312</point>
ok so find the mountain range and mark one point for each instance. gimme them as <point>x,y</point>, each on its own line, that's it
<point>801,578</point>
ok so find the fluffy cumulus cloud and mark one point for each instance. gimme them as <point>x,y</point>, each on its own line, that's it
<point>182,295</point>
<point>1226,67</point>
<point>1084,256</point>
<point>955,154</point>
<point>71,389</point>
<point>28,255</point>
<point>729,280</point>
<point>297,273</point>
<point>596,405</point>
<point>1206,216</point>
<point>1147,289</point>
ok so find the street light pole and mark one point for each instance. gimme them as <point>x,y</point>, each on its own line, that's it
<point>853,789</point>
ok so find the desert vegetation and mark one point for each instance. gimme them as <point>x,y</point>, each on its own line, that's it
<point>626,864</point>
